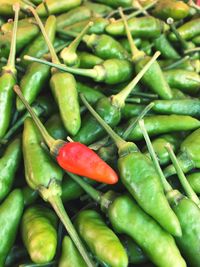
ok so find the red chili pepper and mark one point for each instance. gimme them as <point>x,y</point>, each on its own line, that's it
<point>198,2</point>
<point>73,156</point>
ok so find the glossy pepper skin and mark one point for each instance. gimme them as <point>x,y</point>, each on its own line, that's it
<point>161,124</point>
<point>194,180</point>
<point>70,255</point>
<point>186,81</point>
<point>190,107</point>
<point>88,60</point>
<point>91,94</point>
<point>10,215</point>
<point>101,240</point>
<point>56,7</point>
<point>171,8</point>
<point>101,9</point>
<point>117,3</point>
<point>39,233</point>
<point>144,27</point>
<point>188,30</point>
<point>9,164</point>
<point>132,110</point>
<point>188,155</point>
<point>159,146</point>
<point>128,218</point>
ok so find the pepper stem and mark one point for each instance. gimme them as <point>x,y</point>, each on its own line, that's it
<point>136,53</point>
<point>141,10</point>
<point>134,122</point>
<point>119,99</point>
<point>93,193</point>
<point>11,59</point>
<point>177,63</point>
<point>183,43</point>
<point>116,138</point>
<point>92,73</point>
<point>167,187</point>
<point>47,138</point>
<point>68,54</point>
<point>187,187</point>
<point>52,195</point>
<point>49,44</point>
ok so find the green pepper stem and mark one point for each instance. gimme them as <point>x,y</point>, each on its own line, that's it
<point>134,122</point>
<point>57,204</point>
<point>140,11</point>
<point>177,63</point>
<point>92,73</point>
<point>73,45</point>
<point>117,11</point>
<point>183,43</point>
<point>167,187</point>
<point>49,44</point>
<point>192,50</point>
<point>195,6</point>
<point>183,180</point>
<point>93,193</point>
<point>120,98</point>
<point>116,138</point>
<point>47,138</point>
<point>136,53</point>
<point>67,33</point>
<point>11,59</point>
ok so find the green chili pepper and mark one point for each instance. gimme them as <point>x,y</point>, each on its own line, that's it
<point>63,86</point>
<point>150,78</point>
<point>30,196</point>
<point>159,146</point>
<point>135,253</point>
<point>138,175</point>
<point>177,94</point>
<point>132,110</point>
<point>125,43</point>
<point>194,180</point>
<point>109,109</point>
<point>88,60</point>
<point>128,218</point>
<point>9,164</point>
<point>161,124</point>
<point>188,155</point>
<point>100,9</point>
<point>101,240</point>
<point>75,15</point>
<point>171,8</point>
<point>46,178</point>
<point>116,3</point>
<point>184,208</point>
<point>92,95</point>
<point>196,40</point>
<point>189,107</point>
<point>38,47</point>
<point>10,215</point>
<point>167,50</point>
<point>55,7</point>
<point>70,255</point>
<point>187,81</point>
<point>17,253</point>
<point>185,64</point>
<point>6,8</point>
<point>7,81</point>
<point>143,27</point>
<point>39,233</point>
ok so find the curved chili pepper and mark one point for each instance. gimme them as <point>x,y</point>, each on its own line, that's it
<point>88,60</point>
<point>38,228</point>
<point>8,80</point>
<point>101,240</point>
<point>133,166</point>
<point>10,212</point>
<point>70,255</point>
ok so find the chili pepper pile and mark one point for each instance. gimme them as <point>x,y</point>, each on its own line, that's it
<point>99,133</point>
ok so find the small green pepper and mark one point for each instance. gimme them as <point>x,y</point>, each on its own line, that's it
<point>9,164</point>
<point>10,215</point>
<point>39,233</point>
<point>194,180</point>
<point>70,255</point>
<point>116,3</point>
<point>100,9</point>
<point>101,240</point>
<point>88,60</point>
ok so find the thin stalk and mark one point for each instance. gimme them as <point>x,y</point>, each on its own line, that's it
<point>120,98</point>
<point>57,204</point>
<point>67,33</point>
<point>183,180</point>
<point>140,11</point>
<point>93,193</point>
<point>117,11</point>
<point>146,95</point>
<point>167,187</point>
<point>134,50</point>
<point>134,100</point>
<point>46,7</point>
<point>49,44</point>
<point>83,72</point>
<point>117,139</point>
<point>47,138</point>
<point>73,46</point>
<point>177,63</point>
<point>57,50</point>
<point>136,120</point>
<point>170,22</point>
<point>192,50</point>
<point>19,68</point>
<point>11,59</point>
